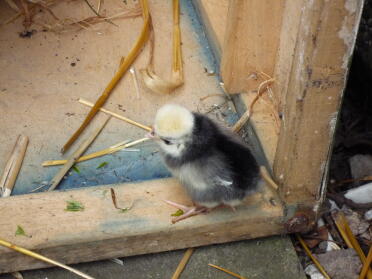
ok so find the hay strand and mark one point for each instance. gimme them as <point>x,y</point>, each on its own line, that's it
<point>315,261</point>
<point>42,258</point>
<point>129,59</point>
<point>366,265</point>
<point>13,166</point>
<point>245,117</point>
<point>100,153</point>
<point>74,157</point>
<point>118,116</point>
<point>183,262</point>
<point>150,78</point>
<point>227,271</point>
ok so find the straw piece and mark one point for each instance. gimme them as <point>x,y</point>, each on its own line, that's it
<point>341,230</point>
<point>89,104</point>
<point>366,265</point>
<point>100,153</point>
<point>245,117</point>
<point>350,239</point>
<point>135,81</point>
<point>97,13</point>
<point>72,160</point>
<point>13,166</point>
<point>150,78</point>
<point>315,261</point>
<point>42,258</point>
<point>183,262</point>
<point>12,5</point>
<point>266,176</point>
<point>142,39</point>
<point>227,271</point>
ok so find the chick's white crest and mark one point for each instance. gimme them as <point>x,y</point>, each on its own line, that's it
<point>173,121</point>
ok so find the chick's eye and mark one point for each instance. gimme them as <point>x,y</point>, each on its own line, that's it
<point>167,142</point>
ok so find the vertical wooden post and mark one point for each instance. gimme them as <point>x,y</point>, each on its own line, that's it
<point>251,43</point>
<point>311,88</point>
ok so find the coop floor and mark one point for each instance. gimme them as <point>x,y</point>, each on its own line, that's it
<point>42,78</point>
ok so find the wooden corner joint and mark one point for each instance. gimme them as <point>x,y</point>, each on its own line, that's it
<point>301,222</point>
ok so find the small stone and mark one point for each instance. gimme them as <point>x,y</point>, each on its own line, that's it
<point>356,223</point>
<point>360,166</point>
<point>368,215</point>
<point>361,194</point>
<point>341,264</point>
<point>313,272</point>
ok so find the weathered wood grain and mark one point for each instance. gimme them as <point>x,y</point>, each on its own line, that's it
<point>101,231</point>
<point>311,94</point>
<point>213,14</point>
<point>251,43</point>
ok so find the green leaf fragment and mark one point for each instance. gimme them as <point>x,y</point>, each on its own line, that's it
<point>123,210</point>
<point>102,165</point>
<point>74,206</point>
<point>20,231</point>
<point>75,168</point>
<point>179,212</point>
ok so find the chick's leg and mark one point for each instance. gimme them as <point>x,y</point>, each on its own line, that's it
<point>188,210</point>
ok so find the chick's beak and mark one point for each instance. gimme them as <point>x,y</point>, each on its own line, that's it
<point>151,134</point>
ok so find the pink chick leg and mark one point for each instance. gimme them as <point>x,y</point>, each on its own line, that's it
<point>188,211</point>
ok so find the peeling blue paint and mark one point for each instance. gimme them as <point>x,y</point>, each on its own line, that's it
<point>187,8</point>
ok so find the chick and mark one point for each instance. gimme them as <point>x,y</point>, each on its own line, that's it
<point>213,164</point>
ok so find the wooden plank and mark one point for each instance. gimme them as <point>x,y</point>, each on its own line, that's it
<point>251,43</point>
<point>324,41</point>
<point>264,123</point>
<point>101,231</point>
<point>213,14</point>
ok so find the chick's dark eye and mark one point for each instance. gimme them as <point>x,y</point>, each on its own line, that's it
<point>167,142</point>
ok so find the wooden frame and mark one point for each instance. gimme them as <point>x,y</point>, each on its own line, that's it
<point>309,61</point>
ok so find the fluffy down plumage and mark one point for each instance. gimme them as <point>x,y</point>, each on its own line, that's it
<point>213,164</point>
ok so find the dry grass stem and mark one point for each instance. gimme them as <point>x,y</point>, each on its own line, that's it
<point>366,178</point>
<point>74,157</point>
<point>349,238</point>
<point>315,261</point>
<point>12,18</point>
<point>227,271</point>
<point>99,6</point>
<point>13,166</point>
<point>42,258</point>
<point>28,19</point>
<point>245,117</point>
<point>129,59</point>
<point>183,262</point>
<point>366,265</point>
<point>135,81</point>
<point>212,95</point>
<point>89,104</point>
<point>97,13</point>
<point>12,5</point>
<point>97,154</point>
<point>88,23</point>
<point>150,78</point>
<point>114,201</point>
<point>267,177</point>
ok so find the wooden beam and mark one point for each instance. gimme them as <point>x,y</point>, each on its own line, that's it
<point>264,119</point>
<point>251,43</point>
<point>102,232</point>
<point>213,14</point>
<point>311,91</point>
